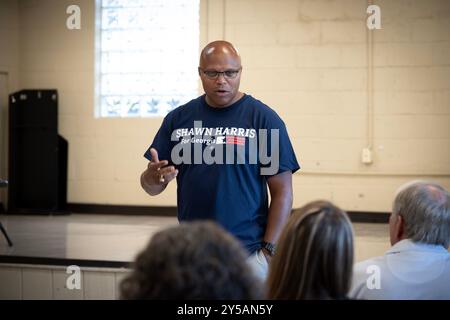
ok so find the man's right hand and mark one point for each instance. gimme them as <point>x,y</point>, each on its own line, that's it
<point>155,179</point>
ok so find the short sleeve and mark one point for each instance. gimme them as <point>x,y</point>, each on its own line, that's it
<point>287,160</point>
<point>162,141</point>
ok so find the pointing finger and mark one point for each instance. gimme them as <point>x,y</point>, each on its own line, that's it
<point>154,155</point>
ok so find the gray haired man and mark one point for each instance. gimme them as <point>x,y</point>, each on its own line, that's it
<point>418,264</point>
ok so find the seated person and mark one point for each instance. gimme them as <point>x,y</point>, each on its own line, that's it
<point>196,260</point>
<point>418,264</point>
<point>314,257</point>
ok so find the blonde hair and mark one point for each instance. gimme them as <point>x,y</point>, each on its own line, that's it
<point>314,258</point>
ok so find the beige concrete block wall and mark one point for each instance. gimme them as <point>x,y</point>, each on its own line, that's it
<point>304,58</point>
<point>314,73</point>
<point>105,155</point>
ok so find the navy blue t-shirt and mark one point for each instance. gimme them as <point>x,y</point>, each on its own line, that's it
<point>221,155</point>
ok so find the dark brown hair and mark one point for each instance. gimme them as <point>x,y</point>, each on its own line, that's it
<point>197,260</point>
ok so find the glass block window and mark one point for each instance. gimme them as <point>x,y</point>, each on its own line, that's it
<point>148,52</point>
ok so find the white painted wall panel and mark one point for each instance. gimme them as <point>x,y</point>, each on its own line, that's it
<point>37,284</point>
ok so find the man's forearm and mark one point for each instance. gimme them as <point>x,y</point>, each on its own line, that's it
<point>280,187</point>
<point>279,210</point>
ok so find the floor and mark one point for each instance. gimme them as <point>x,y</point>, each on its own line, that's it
<point>120,238</point>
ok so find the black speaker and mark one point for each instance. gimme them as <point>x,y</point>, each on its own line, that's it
<point>37,154</point>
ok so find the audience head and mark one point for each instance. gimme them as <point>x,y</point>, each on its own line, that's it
<point>196,260</point>
<point>314,258</point>
<point>421,212</point>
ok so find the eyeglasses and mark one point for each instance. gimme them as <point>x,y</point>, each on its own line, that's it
<point>227,74</point>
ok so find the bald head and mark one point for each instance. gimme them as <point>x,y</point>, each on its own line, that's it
<point>219,48</point>
<point>220,71</point>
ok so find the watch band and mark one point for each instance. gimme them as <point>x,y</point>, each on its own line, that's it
<point>270,247</point>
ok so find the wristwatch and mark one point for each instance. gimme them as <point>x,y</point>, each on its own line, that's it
<point>270,247</point>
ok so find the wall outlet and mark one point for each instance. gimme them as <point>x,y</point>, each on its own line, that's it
<point>366,156</point>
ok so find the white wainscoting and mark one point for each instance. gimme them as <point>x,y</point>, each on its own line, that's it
<point>36,282</point>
